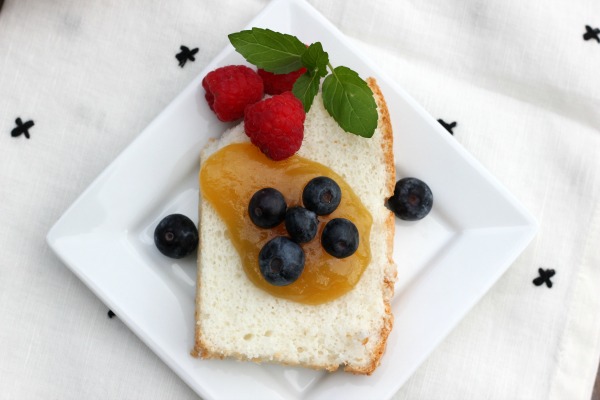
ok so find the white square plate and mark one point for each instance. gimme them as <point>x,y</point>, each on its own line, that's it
<point>446,261</point>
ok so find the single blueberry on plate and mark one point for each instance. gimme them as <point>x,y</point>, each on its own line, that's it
<point>301,224</point>
<point>281,261</point>
<point>176,236</point>
<point>412,199</point>
<point>340,238</point>
<point>267,208</point>
<point>322,195</point>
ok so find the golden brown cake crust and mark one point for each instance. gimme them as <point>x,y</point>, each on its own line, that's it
<point>387,144</point>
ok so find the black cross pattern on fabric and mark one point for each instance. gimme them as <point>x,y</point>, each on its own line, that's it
<point>22,128</point>
<point>448,126</point>
<point>110,314</point>
<point>591,33</point>
<point>545,275</point>
<point>185,55</point>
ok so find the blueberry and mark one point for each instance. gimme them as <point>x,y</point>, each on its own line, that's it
<point>267,208</point>
<point>322,195</point>
<point>340,238</point>
<point>301,224</point>
<point>412,199</point>
<point>281,261</point>
<point>176,236</point>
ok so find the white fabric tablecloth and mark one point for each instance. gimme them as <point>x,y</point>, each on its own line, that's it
<point>518,78</point>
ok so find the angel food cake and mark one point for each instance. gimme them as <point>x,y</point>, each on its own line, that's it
<point>338,311</point>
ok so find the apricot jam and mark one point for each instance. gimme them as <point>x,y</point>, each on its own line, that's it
<point>230,177</point>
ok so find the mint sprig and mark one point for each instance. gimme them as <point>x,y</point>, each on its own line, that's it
<point>346,97</point>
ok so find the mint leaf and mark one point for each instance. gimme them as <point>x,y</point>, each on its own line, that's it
<point>306,88</point>
<point>349,100</point>
<point>272,51</point>
<point>315,59</point>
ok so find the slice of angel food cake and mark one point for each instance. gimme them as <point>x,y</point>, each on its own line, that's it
<point>295,250</point>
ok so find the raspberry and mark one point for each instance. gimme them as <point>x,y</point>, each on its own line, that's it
<point>279,83</point>
<point>230,89</point>
<point>276,125</point>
